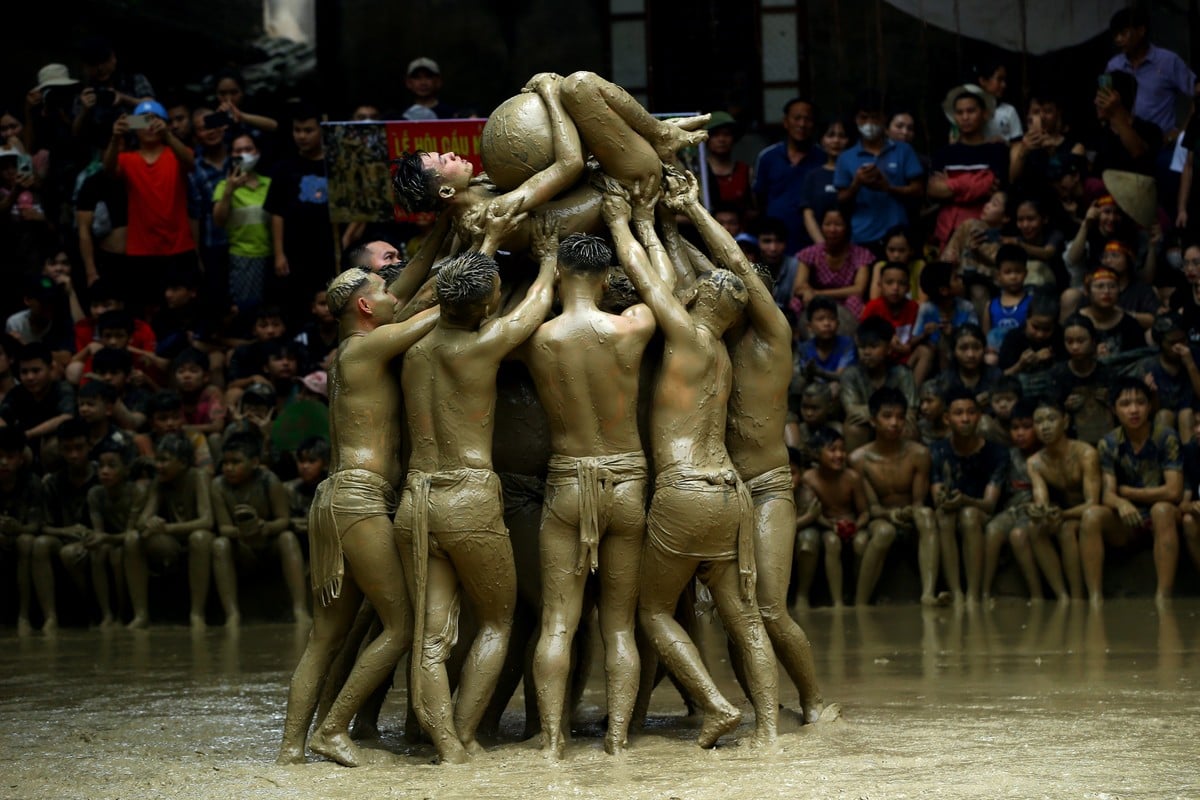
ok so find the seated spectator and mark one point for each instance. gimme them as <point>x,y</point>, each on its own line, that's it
<point>844,512</point>
<point>898,249</point>
<point>312,467</point>
<point>1032,351</point>
<point>1117,331</point>
<point>1173,375</point>
<point>203,402</point>
<point>945,310</point>
<point>103,296</point>
<point>1004,124</point>
<point>1013,524</point>
<point>318,339</point>
<point>1006,311</point>
<point>871,373</point>
<point>974,246</point>
<point>1082,381</point>
<point>65,519</point>
<point>21,520</point>
<point>826,354</point>
<point>967,367</point>
<point>115,367</point>
<point>10,350</point>
<point>96,402</point>
<point>252,513</point>
<point>834,268</point>
<point>43,319</point>
<point>176,524</point>
<point>895,306</point>
<point>772,252</point>
<point>183,321</point>
<point>1048,149</point>
<point>820,192</point>
<point>115,329</point>
<point>39,404</point>
<point>247,360</point>
<point>165,413</point>
<point>114,507</point>
<point>1043,245</point>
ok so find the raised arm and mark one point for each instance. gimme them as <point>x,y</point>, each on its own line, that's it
<point>388,341</point>
<point>511,329</point>
<point>672,317</point>
<point>410,279</point>
<point>683,195</point>
<point>643,205</point>
<point>674,243</point>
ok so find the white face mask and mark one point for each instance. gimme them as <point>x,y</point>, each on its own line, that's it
<point>870,131</point>
<point>249,161</point>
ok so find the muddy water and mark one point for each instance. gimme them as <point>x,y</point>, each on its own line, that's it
<point>1014,702</point>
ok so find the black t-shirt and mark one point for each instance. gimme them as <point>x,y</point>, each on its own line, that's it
<point>963,158</point>
<point>970,474</point>
<point>1111,153</point>
<point>1123,337</point>
<point>66,503</point>
<point>1036,380</point>
<point>819,192</point>
<point>300,194</point>
<point>20,409</point>
<point>101,190</point>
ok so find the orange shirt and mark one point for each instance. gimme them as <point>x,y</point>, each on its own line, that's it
<point>158,216</point>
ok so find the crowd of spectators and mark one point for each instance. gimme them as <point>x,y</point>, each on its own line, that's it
<point>162,375</point>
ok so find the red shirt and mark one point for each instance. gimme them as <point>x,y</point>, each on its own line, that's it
<point>158,217</point>
<point>903,322</point>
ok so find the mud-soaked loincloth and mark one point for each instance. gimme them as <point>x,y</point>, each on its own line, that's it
<point>439,508</point>
<point>707,516</point>
<point>596,479</point>
<point>342,500</point>
<point>774,484</point>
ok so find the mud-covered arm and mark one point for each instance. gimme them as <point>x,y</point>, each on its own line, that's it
<point>670,314</point>
<point>412,277</point>
<point>280,509</point>
<point>675,244</point>
<point>514,327</point>
<point>643,206</point>
<point>388,341</point>
<point>220,511</point>
<point>204,510</point>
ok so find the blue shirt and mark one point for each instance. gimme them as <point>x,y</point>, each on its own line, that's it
<point>964,312</point>
<point>782,182</point>
<point>1142,469</point>
<point>1160,77</point>
<point>205,177</point>
<point>843,354</point>
<point>876,212</point>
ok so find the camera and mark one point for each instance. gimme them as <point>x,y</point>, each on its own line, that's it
<point>105,98</point>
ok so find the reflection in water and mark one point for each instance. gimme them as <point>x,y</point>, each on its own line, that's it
<point>1015,701</point>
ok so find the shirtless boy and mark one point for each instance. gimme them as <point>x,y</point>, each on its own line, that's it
<point>450,523</point>
<point>760,352</point>
<point>701,519</point>
<point>895,473</point>
<point>1065,477</point>
<point>1143,483</point>
<point>352,552</point>
<point>968,476</point>
<point>586,114</point>
<point>843,502</point>
<point>585,364</point>
<point>1013,524</point>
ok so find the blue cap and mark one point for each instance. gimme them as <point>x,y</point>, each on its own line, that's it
<point>151,107</point>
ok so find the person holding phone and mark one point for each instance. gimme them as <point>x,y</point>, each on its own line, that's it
<point>1125,141</point>
<point>238,208</point>
<point>231,94</point>
<point>211,130</point>
<point>159,237</point>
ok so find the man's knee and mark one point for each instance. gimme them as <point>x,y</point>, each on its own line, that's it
<point>808,541</point>
<point>72,553</point>
<point>44,547</point>
<point>222,546</point>
<point>201,539</point>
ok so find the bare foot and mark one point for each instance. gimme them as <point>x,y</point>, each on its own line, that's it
<point>233,619</point>
<point>453,753</point>
<point>831,712</point>
<point>289,754</point>
<point>336,747</point>
<point>137,623</point>
<point>107,622</point>
<point>1097,600</point>
<point>473,747</point>
<point>615,746</point>
<point>717,724</point>
<point>690,123</point>
<point>23,627</point>
<point>197,622</point>
<point>678,134</point>
<point>1162,601</point>
<point>50,626</point>
<point>301,616</point>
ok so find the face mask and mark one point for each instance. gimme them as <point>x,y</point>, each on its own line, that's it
<point>249,162</point>
<point>1175,259</point>
<point>870,131</point>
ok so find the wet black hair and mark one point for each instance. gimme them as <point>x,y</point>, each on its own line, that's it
<point>886,396</point>
<point>873,331</point>
<point>112,359</point>
<point>163,401</point>
<point>580,252</point>
<point>1012,253</point>
<point>117,319</point>
<point>822,437</point>
<point>414,187</point>
<point>466,279</point>
<point>956,393</point>
<point>935,277</point>
<point>97,389</point>
<point>820,303</point>
<point>73,428</point>
<point>315,447</point>
<point>1128,383</point>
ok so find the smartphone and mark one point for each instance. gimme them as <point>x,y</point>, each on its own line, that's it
<point>139,122</point>
<point>1104,81</point>
<point>217,119</point>
<point>24,164</point>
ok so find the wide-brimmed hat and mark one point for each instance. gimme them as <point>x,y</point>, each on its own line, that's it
<point>1134,193</point>
<point>54,75</point>
<point>989,102</point>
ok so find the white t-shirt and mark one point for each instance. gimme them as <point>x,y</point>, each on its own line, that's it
<point>1005,123</point>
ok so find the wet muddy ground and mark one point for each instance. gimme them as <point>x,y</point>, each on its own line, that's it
<point>1014,702</point>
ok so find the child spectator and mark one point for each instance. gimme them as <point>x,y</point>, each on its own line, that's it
<point>252,513</point>
<point>39,404</point>
<point>1032,351</point>
<point>895,472</point>
<point>114,508</point>
<point>772,252</point>
<point>932,410</point>
<point>21,522</point>
<point>871,373</point>
<point>183,322</point>
<point>835,268</point>
<point>115,367</point>
<point>248,360</point>
<point>817,408</point>
<point>843,513</point>
<point>1042,244</point>
<point>894,306</point>
<point>826,354</point>
<point>115,329</point>
<point>808,538</point>
<point>203,403</point>
<point>974,246</point>
<point>256,412</point>
<point>1013,525</point>
<point>967,367</point>
<point>319,336</point>
<point>312,467</point>
<point>1065,478</point>
<point>898,249</point>
<point>95,401</point>
<point>1117,331</point>
<point>945,310</point>
<point>65,520</point>
<point>165,411</point>
<point>1082,382</point>
<point>177,521</point>
<point>1005,396</point>
<point>1007,311</point>
<point>1189,508</point>
<point>43,320</point>
<point>1142,470</point>
<point>1005,123</point>
<point>969,474</point>
<point>1173,375</point>
<point>102,297</point>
